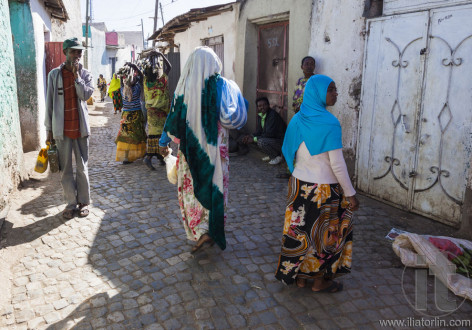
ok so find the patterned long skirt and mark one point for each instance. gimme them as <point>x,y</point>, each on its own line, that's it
<point>195,217</point>
<point>317,235</point>
<point>117,100</point>
<point>131,139</point>
<point>156,119</point>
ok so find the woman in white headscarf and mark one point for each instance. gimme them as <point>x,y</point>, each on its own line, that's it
<point>205,105</point>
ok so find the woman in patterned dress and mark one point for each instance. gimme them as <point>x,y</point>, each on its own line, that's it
<point>114,91</point>
<point>308,68</point>
<point>317,234</point>
<point>205,106</point>
<point>131,139</point>
<point>157,102</point>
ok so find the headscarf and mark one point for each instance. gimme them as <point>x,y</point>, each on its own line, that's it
<point>313,124</point>
<point>194,120</point>
<point>114,85</point>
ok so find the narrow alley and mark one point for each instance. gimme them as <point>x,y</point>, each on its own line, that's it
<point>128,264</point>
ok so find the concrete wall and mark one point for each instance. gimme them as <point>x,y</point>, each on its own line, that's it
<point>337,43</point>
<point>11,154</point>
<point>224,25</point>
<point>255,13</point>
<point>26,72</point>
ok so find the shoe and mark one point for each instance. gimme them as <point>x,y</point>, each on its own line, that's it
<point>276,160</point>
<point>83,210</point>
<point>68,214</point>
<point>265,159</point>
<point>126,162</point>
<point>205,238</point>
<point>333,288</point>
<point>148,162</point>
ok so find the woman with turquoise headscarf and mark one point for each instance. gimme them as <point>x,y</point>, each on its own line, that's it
<point>317,234</point>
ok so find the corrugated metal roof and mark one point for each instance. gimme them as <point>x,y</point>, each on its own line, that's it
<point>182,23</point>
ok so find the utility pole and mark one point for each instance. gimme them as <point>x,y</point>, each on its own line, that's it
<point>142,30</point>
<point>162,14</point>
<point>156,11</point>
<point>86,34</point>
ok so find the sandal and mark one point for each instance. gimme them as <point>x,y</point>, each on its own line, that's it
<point>83,210</point>
<point>333,288</point>
<point>68,214</point>
<point>205,238</point>
<point>301,282</point>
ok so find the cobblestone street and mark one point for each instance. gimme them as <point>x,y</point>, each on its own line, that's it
<point>128,264</point>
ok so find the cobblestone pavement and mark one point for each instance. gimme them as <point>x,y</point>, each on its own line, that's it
<point>128,266</point>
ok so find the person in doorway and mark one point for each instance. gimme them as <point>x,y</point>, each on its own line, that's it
<point>69,86</point>
<point>317,234</point>
<point>205,106</point>
<point>308,68</point>
<point>270,131</point>
<point>131,139</point>
<point>102,87</point>
<point>114,91</point>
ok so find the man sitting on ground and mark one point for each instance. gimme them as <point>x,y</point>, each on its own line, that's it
<point>270,131</point>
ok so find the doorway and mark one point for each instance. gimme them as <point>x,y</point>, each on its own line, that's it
<point>272,65</point>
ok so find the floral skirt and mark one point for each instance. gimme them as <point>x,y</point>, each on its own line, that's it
<point>317,235</point>
<point>117,100</point>
<point>131,139</point>
<point>195,217</point>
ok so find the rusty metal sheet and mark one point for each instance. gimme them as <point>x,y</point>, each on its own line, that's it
<point>272,65</point>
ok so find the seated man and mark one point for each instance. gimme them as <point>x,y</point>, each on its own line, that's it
<point>270,131</point>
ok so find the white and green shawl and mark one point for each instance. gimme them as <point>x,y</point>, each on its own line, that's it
<point>194,120</point>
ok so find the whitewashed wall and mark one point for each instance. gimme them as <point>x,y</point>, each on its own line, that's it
<point>42,30</point>
<point>255,13</point>
<point>225,25</point>
<point>337,44</point>
<point>73,27</point>
<point>97,57</point>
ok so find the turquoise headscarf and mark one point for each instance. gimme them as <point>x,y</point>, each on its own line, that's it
<point>313,124</point>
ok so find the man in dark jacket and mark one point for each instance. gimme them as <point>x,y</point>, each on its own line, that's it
<point>270,131</point>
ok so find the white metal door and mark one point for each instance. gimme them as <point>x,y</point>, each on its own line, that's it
<point>415,136</point>
<point>444,142</point>
<point>393,74</point>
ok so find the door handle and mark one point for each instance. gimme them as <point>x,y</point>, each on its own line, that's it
<point>412,174</point>
<point>404,125</point>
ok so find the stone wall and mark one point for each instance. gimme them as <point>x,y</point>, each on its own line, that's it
<point>11,153</point>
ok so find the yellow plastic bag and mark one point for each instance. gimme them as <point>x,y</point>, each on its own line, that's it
<point>42,160</point>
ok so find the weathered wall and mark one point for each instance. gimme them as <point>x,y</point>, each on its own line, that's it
<point>42,33</point>
<point>220,25</point>
<point>73,27</point>
<point>11,154</point>
<point>98,59</point>
<point>337,44</point>
<point>26,73</point>
<point>254,13</point>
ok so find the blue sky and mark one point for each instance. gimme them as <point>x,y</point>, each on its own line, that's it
<point>126,15</point>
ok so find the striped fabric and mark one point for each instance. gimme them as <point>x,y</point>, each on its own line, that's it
<point>233,106</point>
<point>71,113</point>
<point>135,103</point>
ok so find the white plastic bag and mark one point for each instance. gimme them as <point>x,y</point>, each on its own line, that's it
<point>171,167</point>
